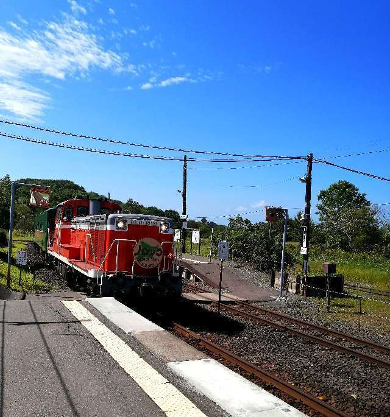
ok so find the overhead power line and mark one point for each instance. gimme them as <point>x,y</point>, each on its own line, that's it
<point>127,154</point>
<point>367,174</point>
<point>249,166</point>
<point>359,153</point>
<point>265,185</point>
<point>120,142</point>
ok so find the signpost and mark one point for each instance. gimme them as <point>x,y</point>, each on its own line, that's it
<point>21,258</point>
<point>195,238</point>
<point>41,203</point>
<point>223,254</point>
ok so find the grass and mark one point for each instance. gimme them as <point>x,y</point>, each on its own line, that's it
<point>27,282</point>
<point>370,269</point>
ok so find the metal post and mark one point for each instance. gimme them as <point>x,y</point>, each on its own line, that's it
<point>14,187</point>
<point>199,245</point>
<point>220,286</point>
<point>327,294</point>
<point>184,212</point>
<point>191,242</point>
<point>211,244</point>
<point>306,219</point>
<point>283,252</point>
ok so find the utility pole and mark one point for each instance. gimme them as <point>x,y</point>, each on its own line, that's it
<point>184,212</point>
<point>306,218</point>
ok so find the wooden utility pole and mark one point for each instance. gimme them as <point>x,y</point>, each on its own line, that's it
<point>306,218</point>
<point>184,212</point>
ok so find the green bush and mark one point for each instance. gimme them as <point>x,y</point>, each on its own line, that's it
<point>3,238</point>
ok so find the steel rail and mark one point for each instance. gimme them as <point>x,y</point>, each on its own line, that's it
<point>295,392</point>
<point>335,333</point>
<point>323,329</point>
<point>368,290</point>
<point>311,338</point>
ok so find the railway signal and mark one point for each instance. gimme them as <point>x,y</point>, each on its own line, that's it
<point>223,254</point>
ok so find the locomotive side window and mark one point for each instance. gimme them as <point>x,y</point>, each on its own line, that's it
<point>82,211</point>
<point>68,214</point>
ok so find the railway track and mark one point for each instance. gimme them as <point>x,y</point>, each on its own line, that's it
<point>323,342</point>
<point>284,386</point>
<point>369,291</point>
<point>266,317</point>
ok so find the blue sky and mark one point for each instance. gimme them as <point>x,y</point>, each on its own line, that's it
<point>257,77</point>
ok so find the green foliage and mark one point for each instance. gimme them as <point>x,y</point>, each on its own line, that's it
<point>3,238</point>
<point>259,244</point>
<point>347,220</point>
<point>5,198</point>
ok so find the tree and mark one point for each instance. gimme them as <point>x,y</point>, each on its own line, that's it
<point>5,201</point>
<point>347,219</point>
<point>259,244</point>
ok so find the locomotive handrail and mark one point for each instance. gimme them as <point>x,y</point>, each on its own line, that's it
<point>162,246</point>
<point>109,250</point>
<point>93,249</point>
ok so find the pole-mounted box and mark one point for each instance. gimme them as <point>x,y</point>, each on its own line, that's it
<point>329,268</point>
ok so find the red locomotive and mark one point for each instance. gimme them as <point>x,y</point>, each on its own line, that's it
<point>91,242</point>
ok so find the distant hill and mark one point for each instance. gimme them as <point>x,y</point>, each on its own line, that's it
<point>62,190</point>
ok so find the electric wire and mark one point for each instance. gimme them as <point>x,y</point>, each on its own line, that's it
<point>248,166</point>
<point>120,142</point>
<point>127,154</point>
<point>359,153</point>
<point>367,174</point>
<point>265,185</point>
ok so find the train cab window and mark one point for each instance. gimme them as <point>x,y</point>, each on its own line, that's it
<point>104,210</point>
<point>58,214</point>
<point>82,211</point>
<point>68,214</point>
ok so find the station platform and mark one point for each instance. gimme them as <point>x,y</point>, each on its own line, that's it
<point>68,355</point>
<point>232,283</point>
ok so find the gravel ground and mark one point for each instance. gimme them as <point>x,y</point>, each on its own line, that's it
<point>311,309</point>
<point>352,385</point>
<point>37,267</point>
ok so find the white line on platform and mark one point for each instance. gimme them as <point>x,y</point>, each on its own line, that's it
<point>123,317</point>
<point>170,400</point>
<point>236,395</point>
<point>195,261</point>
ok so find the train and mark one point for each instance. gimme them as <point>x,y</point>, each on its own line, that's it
<point>95,246</point>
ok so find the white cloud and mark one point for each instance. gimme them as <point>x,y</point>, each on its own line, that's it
<point>133,31</point>
<point>101,21</point>
<point>76,8</point>
<point>133,5</point>
<point>144,28</point>
<point>128,88</point>
<point>14,25</point>
<point>111,11</point>
<point>175,80</point>
<point>22,99</point>
<point>61,50</point>
<point>241,208</point>
<point>258,204</point>
<point>146,86</point>
<point>21,20</point>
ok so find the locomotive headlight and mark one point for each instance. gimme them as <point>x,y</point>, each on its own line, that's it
<point>121,224</point>
<point>164,227</point>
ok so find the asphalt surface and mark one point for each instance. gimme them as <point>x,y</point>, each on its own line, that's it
<point>50,365</point>
<point>231,282</point>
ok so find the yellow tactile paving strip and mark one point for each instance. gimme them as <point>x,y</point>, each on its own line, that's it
<point>167,397</point>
